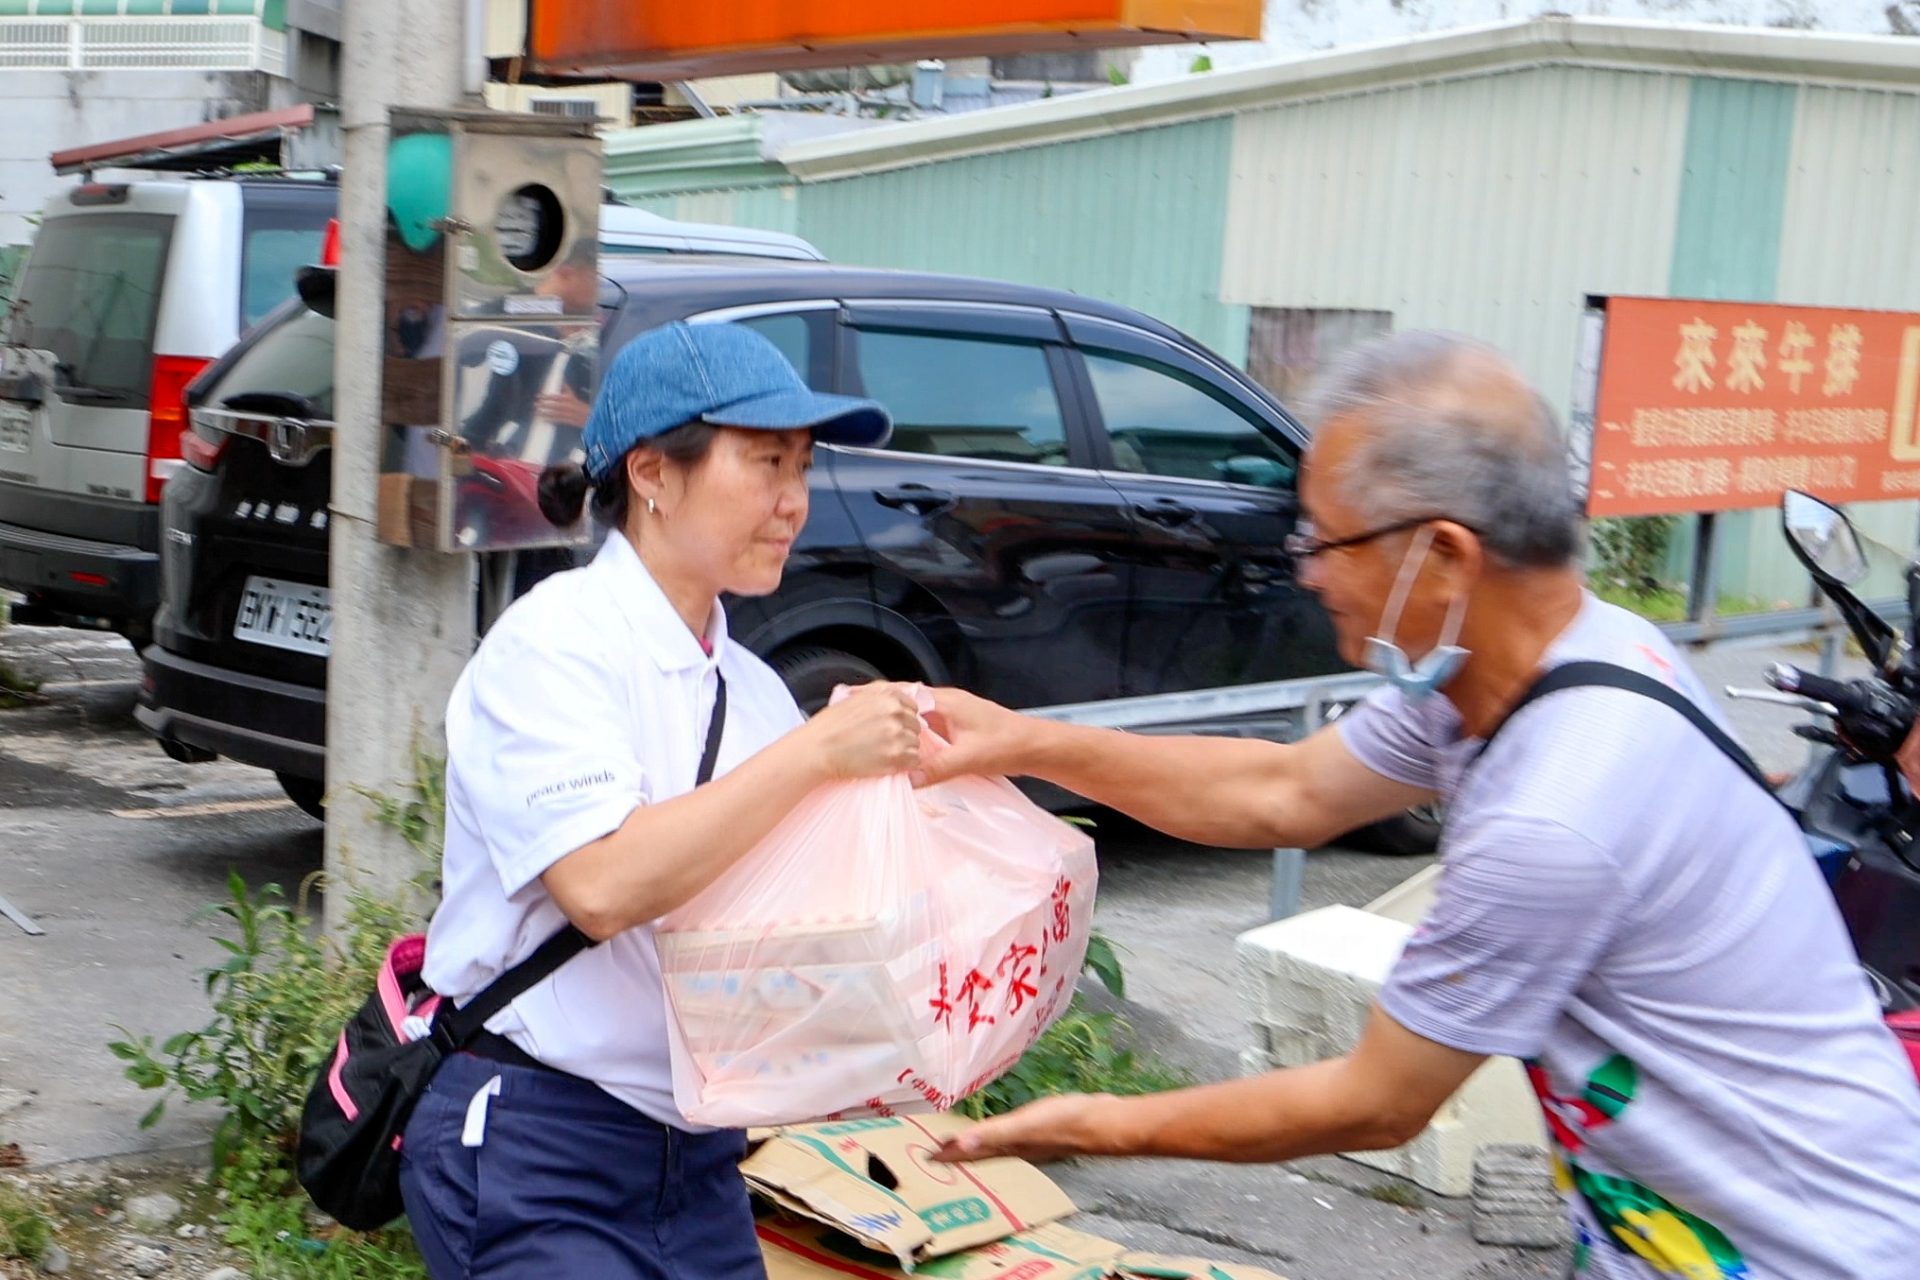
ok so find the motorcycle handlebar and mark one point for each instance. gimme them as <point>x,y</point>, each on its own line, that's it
<point>1842,695</point>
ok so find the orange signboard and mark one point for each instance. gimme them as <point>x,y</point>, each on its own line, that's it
<point>656,40</point>
<point>1713,406</point>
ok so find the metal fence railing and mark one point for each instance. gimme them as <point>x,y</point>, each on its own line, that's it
<point>1291,709</point>
<point>162,43</point>
<point>1300,705</point>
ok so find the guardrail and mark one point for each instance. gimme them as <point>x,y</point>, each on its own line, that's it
<point>1233,701</point>
<point>1313,695</point>
<point>1304,704</point>
<point>158,43</point>
<point>1786,626</point>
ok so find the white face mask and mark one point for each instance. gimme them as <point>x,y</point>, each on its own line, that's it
<point>1416,680</point>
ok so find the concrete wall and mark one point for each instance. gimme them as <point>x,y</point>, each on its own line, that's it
<point>48,111</point>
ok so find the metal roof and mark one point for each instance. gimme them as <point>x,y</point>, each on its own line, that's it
<point>1801,56</point>
<point>217,143</point>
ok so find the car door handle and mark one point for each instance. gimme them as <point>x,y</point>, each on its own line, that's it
<point>1166,511</point>
<point>917,498</point>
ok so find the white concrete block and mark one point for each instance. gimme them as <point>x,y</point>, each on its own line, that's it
<point>1411,899</point>
<point>1310,981</point>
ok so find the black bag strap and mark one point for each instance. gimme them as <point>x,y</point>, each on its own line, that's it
<point>710,754</point>
<point>455,1027</point>
<point>1575,675</point>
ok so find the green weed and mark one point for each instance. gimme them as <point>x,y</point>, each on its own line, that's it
<point>25,1228</point>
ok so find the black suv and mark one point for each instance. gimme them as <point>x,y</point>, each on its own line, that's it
<point>1078,503</point>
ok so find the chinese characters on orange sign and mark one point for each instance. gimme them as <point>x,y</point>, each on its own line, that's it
<point>1712,406</point>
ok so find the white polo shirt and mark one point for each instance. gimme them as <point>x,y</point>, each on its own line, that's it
<point>588,697</point>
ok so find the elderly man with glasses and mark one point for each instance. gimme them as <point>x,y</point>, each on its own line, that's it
<point>1621,904</point>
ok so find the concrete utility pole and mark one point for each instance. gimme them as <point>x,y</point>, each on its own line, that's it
<point>402,619</point>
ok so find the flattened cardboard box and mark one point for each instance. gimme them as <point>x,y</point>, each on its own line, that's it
<point>801,1250</point>
<point>1152,1266</point>
<point>876,1181</point>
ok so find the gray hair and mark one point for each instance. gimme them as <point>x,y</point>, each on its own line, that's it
<point>1451,429</point>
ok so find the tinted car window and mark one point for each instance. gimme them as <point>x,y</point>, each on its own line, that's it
<point>1165,422</point>
<point>295,357</point>
<point>791,333</point>
<point>90,293</point>
<point>965,397</point>
<point>268,259</point>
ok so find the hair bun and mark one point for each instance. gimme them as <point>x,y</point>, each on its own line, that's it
<point>563,493</point>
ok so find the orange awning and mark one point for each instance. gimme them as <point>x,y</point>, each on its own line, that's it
<point>668,40</point>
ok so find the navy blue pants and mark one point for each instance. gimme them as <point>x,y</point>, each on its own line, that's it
<point>569,1181</point>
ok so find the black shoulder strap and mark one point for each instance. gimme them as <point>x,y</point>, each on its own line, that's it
<point>716,725</point>
<point>457,1026</point>
<point>1574,675</point>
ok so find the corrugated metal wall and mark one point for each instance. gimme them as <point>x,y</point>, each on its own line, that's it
<point>768,208</point>
<point>1848,239</point>
<point>1726,246</point>
<point>1726,235</point>
<point>1853,192</point>
<point>1134,218</point>
<point>1801,194</point>
<point>1492,205</point>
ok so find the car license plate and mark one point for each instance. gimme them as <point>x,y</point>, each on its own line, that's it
<point>16,428</point>
<point>286,615</point>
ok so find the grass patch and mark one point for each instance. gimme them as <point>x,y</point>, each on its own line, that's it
<point>25,1228</point>
<point>280,996</point>
<point>1659,604</point>
<point>1664,604</point>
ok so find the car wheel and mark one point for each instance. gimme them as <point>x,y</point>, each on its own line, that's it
<point>309,793</point>
<point>812,674</point>
<point>1415,832</point>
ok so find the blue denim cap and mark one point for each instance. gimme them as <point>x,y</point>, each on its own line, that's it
<point>719,373</point>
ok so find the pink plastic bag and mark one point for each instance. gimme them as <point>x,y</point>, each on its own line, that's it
<point>883,950</point>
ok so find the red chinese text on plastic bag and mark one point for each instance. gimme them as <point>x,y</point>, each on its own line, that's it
<point>883,950</point>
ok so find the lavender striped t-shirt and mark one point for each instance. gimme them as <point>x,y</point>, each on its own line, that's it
<point>1627,913</point>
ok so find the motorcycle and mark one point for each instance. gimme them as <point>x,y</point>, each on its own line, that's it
<point>1860,817</point>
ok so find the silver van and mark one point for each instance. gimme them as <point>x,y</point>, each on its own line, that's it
<point>129,291</point>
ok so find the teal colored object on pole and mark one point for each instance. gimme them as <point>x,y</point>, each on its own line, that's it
<point>419,186</point>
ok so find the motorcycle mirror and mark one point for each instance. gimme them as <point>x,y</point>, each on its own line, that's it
<point>1823,539</point>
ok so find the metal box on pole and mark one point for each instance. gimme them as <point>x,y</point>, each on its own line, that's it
<point>490,326</point>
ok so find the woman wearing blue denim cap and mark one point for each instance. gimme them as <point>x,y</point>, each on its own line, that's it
<point>552,1146</point>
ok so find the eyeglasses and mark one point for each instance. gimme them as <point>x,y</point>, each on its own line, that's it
<point>1302,545</point>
